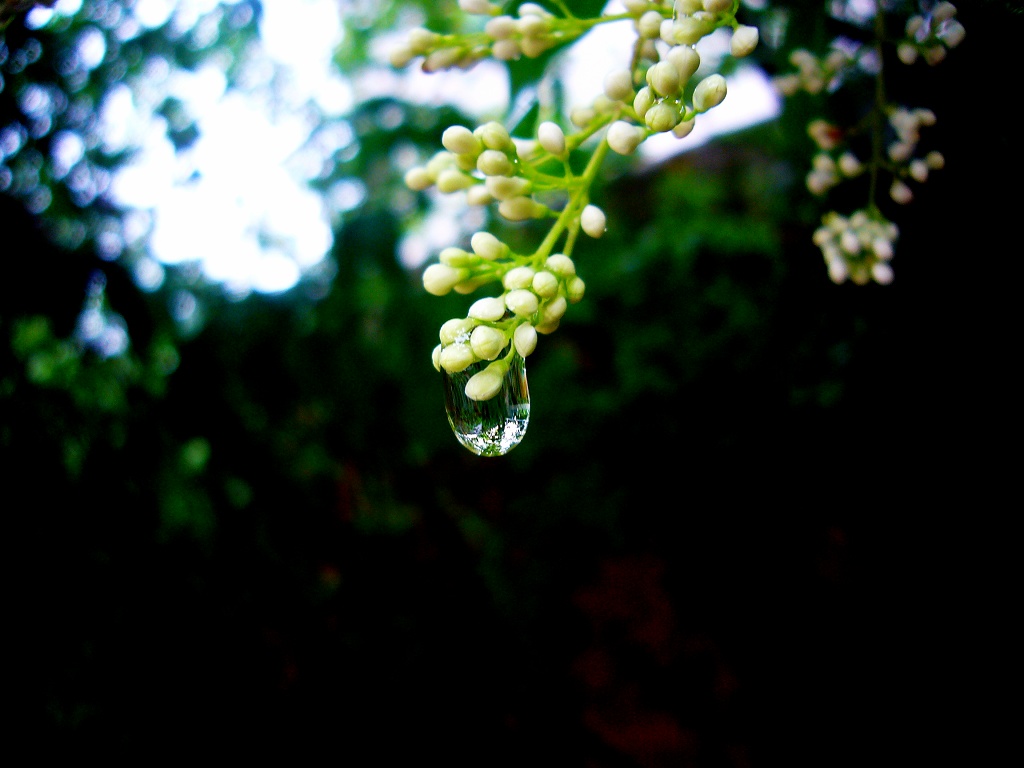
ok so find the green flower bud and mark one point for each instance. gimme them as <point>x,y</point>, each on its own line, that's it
<point>643,101</point>
<point>435,357</point>
<point>683,129</point>
<point>456,257</point>
<point>457,357</point>
<point>456,328</point>
<point>717,6</point>
<point>439,279</point>
<point>561,265</point>
<point>490,309</point>
<point>574,289</point>
<point>522,302</point>
<point>709,93</point>
<point>662,117</point>
<point>521,208</point>
<point>487,246</point>
<point>487,383</point>
<point>493,162</point>
<point>520,277</point>
<point>494,136</point>
<point>649,25</point>
<point>441,161</point>
<point>421,41</point>
<point>545,284</point>
<point>663,78</point>
<point>507,187</point>
<point>418,179</point>
<point>487,342</point>
<point>478,195</point>
<point>525,339</point>
<point>451,180</point>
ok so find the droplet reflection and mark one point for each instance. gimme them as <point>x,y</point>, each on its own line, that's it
<point>489,427</point>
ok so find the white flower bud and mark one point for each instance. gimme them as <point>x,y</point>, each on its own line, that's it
<point>493,162</point>
<point>521,208</point>
<point>435,358</point>
<point>522,302</point>
<point>882,248</point>
<point>506,50</point>
<point>618,85</point>
<point>717,6</point>
<point>837,271</point>
<point>421,41</point>
<point>952,33</point>
<point>914,24</point>
<point>533,46</point>
<point>439,279</point>
<point>518,277</point>
<point>593,221</point>
<point>581,116</point>
<point>487,342</point>
<point>489,310</point>
<point>662,117</point>
<point>551,137</point>
<point>687,7</point>
<point>418,179</point>
<point>667,32</point>
<point>624,138</point>
<point>493,135</point>
<point>506,187</point>
<point>400,56</point>
<point>663,78</point>
<point>457,357</point>
<point>460,140</point>
<point>689,30</point>
<point>574,289</point>
<point>442,58</point>
<point>649,25</point>
<point>525,339</point>
<point>682,130</point>
<point>441,161</point>
<point>685,59</point>
<point>451,180</point>
<point>553,310</point>
<point>456,329</point>
<point>478,195</point>
<point>709,93</point>
<point>533,9</point>
<point>900,151</point>
<point>635,7</point>
<point>487,383</point>
<point>943,11</point>
<point>900,192</point>
<point>561,265</point>
<point>882,273</point>
<point>643,101</point>
<point>907,53</point>
<point>500,27</point>
<point>545,284</point>
<point>487,246</point>
<point>919,171</point>
<point>476,7</point>
<point>849,164</point>
<point>744,41</point>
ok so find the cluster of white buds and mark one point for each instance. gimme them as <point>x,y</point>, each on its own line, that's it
<point>907,124</point>
<point>814,74</point>
<point>530,33</point>
<point>931,35</point>
<point>858,248</point>
<point>537,292</point>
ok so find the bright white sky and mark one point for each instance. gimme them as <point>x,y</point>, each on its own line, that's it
<point>236,202</point>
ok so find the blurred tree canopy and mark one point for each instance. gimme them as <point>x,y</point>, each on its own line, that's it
<point>243,522</point>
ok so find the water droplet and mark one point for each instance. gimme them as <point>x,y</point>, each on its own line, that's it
<point>489,427</point>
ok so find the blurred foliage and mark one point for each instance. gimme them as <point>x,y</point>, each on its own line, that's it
<point>715,547</point>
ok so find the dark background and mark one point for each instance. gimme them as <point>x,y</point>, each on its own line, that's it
<point>758,519</point>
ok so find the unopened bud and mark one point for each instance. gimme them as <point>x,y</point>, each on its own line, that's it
<point>561,265</point>
<point>487,342</point>
<point>744,41</point>
<point>521,302</point>
<point>519,277</point>
<point>490,309</point>
<point>545,284</point>
<point>593,221</point>
<point>709,93</point>
<point>460,140</point>
<point>662,117</point>
<point>574,289</point>
<point>439,279</point>
<point>487,246</point>
<point>551,137</point>
<point>525,339</point>
<point>624,138</point>
<point>487,383</point>
<point>618,86</point>
<point>457,357</point>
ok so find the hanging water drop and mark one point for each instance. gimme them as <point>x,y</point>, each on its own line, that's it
<point>495,426</point>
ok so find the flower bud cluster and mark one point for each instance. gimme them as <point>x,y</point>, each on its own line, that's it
<point>531,32</point>
<point>694,20</point>
<point>931,35</point>
<point>814,74</point>
<point>858,248</point>
<point>537,292</point>
<point>902,151</point>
